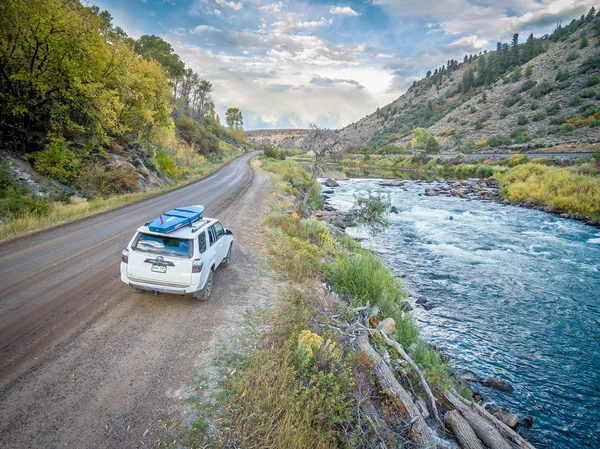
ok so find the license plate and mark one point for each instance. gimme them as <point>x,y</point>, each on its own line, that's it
<point>159,268</point>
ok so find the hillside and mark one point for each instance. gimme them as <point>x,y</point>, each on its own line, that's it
<point>88,112</point>
<point>285,138</point>
<point>538,94</point>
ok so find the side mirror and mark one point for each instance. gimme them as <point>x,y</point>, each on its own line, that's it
<point>228,231</point>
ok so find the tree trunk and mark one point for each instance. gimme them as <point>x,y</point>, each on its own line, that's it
<point>462,431</point>
<point>419,431</point>
<point>504,430</point>
<point>405,356</point>
<point>482,427</point>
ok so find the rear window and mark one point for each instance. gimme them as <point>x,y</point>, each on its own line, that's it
<point>167,246</point>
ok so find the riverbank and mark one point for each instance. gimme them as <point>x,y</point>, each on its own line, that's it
<point>341,363</point>
<point>570,191</point>
<point>509,291</point>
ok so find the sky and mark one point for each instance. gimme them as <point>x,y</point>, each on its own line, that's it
<point>329,62</point>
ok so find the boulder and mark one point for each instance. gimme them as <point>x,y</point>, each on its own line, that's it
<point>468,377</point>
<point>421,300</point>
<point>497,383</point>
<point>330,182</point>
<point>339,223</point>
<point>387,326</point>
<point>393,210</point>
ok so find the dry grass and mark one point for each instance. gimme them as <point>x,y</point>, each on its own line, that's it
<point>561,189</point>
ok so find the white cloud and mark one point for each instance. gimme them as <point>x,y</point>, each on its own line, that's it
<point>273,7</point>
<point>343,11</point>
<point>313,23</point>
<point>203,28</point>
<point>217,12</point>
<point>230,4</point>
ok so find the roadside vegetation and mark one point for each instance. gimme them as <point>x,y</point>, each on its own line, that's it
<point>89,113</point>
<point>306,385</point>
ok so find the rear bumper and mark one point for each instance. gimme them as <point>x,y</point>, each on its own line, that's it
<point>157,288</point>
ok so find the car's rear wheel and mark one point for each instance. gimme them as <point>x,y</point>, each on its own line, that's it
<point>227,261</point>
<point>204,294</point>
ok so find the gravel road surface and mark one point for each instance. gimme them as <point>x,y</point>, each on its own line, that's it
<point>86,363</point>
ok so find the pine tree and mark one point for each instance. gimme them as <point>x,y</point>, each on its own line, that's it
<point>529,71</point>
<point>515,58</point>
<point>584,41</point>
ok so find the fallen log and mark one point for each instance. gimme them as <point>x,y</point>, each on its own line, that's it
<point>418,431</point>
<point>398,347</point>
<point>462,431</point>
<point>504,430</point>
<point>484,429</point>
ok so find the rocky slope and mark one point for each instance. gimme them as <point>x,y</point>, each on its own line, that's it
<point>553,101</point>
<point>291,139</point>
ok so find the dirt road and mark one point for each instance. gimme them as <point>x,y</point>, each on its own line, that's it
<point>86,363</point>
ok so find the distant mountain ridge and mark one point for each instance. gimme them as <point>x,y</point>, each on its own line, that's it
<point>538,94</point>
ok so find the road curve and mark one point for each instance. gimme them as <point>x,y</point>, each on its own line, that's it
<point>53,282</point>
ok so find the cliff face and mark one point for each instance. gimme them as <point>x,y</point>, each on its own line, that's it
<point>550,100</point>
<point>291,139</point>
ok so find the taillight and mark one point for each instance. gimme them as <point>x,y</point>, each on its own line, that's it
<point>125,256</point>
<point>197,266</point>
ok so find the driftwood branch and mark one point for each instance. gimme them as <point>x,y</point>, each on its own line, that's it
<point>419,431</point>
<point>462,431</point>
<point>504,430</point>
<point>405,356</point>
<point>483,428</point>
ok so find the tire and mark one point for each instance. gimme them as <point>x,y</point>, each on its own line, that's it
<point>204,294</point>
<point>227,261</point>
<point>136,290</point>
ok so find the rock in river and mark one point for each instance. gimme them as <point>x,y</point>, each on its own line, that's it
<point>497,383</point>
<point>330,182</point>
<point>339,223</point>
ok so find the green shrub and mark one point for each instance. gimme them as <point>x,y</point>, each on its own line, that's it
<point>562,75</point>
<point>365,279</point>
<point>567,127</point>
<point>468,146</point>
<point>512,100</point>
<point>498,140</point>
<point>372,210</point>
<point>58,162</point>
<point>522,120</point>
<point>274,153</point>
<point>573,56</point>
<point>520,136</point>
<point>576,100</point>
<point>505,113</point>
<point>167,164</point>
<point>539,115</point>
<point>590,64</point>
<point>594,123</point>
<point>472,109</point>
<point>593,80</point>
<point>563,84</point>
<point>529,84</point>
<point>554,109</point>
<point>534,106</point>
<point>588,93</point>
<point>544,87</point>
<point>109,180</point>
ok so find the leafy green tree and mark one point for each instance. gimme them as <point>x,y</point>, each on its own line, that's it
<point>372,210</point>
<point>433,146</point>
<point>154,47</point>
<point>234,119</point>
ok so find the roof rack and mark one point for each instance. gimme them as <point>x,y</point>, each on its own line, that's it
<point>176,218</point>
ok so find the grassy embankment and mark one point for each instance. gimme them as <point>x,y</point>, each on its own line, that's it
<point>49,214</point>
<point>573,189</point>
<point>304,386</point>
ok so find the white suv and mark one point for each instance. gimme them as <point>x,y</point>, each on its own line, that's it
<point>178,262</point>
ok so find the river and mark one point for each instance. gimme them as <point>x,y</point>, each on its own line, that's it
<point>517,295</point>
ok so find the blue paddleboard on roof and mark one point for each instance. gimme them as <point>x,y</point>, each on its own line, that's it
<point>176,218</point>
